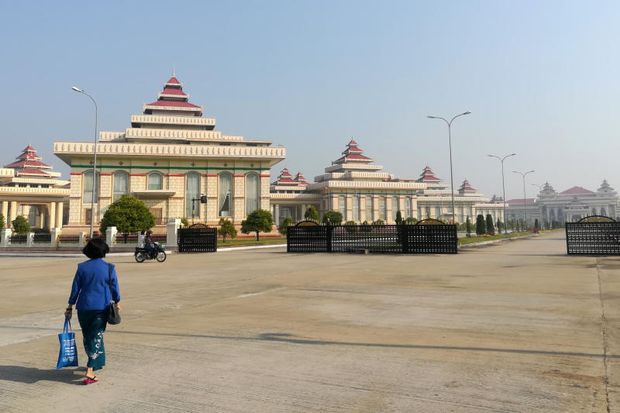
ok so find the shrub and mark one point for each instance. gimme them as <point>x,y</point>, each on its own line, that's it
<point>129,215</point>
<point>258,221</point>
<point>490,227</point>
<point>21,225</point>
<point>332,218</point>
<point>480,225</point>
<point>227,229</point>
<point>283,228</point>
<point>312,213</point>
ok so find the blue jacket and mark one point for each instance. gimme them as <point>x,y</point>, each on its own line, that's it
<point>91,287</point>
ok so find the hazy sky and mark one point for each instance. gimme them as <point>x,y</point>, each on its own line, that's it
<point>540,77</point>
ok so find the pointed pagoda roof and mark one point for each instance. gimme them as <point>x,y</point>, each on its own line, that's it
<point>300,179</point>
<point>29,163</point>
<point>576,190</point>
<point>466,188</point>
<point>353,153</point>
<point>285,178</point>
<point>605,187</point>
<point>428,175</point>
<point>173,98</point>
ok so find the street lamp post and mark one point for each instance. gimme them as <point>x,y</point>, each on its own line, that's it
<point>449,123</point>
<point>523,175</point>
<point>92,200</point>
<point>502,159</point>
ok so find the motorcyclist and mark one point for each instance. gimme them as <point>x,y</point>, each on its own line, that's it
<point>149,245</point>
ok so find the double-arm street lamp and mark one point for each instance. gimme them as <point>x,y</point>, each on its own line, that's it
<point>502,159</point>
<point>92,200</point>
<point>523,175</point>
<point>449,123</point>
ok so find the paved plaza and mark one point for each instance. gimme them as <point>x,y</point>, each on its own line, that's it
<point>515,327</point>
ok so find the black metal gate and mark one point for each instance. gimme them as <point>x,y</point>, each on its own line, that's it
<point>197,238</point>
<point>593,235</point>
<point>425,237</point>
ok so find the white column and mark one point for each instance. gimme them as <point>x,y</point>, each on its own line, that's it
<point>277,215</point>
<point>172,228</point>
<point>54,238</point>
<point>52,213</point>
<point>12,212</point>
<point>59,208</point>
<point>5,212</point>
<point>5,237</point>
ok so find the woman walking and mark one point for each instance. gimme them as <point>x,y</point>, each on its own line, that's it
<point>95,286</point>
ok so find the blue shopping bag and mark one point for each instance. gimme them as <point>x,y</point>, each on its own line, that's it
<point>67,357</point>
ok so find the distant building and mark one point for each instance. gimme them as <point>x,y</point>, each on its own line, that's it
<point>361,191</point>
<point>29,187</point>
<point>168,158</point>
<point>553,208</point>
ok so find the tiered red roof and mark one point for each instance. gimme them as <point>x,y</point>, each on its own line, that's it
<point>299,178</point>
<point>576,190</point>
<point>173,96</point>
<point>466,188</point>
<point>428,175</point>
<point>29,163</point>
<point>353,153</point>
<point>173,81</point>
<point>285,178</point>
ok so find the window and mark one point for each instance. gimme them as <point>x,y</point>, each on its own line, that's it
<point>154,181</point>
<point>192,194</point>
<point>395,207</point>
<point>121,185</point>
<point>356,208</point>
<point>225,195</point>
<point>87,182</point>
<point>368,216</point>
<point>382,208</point>
<point>252,192</point>
<point>342,206</point>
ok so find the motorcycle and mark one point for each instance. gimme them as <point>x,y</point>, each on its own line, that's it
<point>157,253</point>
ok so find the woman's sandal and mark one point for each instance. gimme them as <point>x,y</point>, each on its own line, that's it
<point>90,380</point>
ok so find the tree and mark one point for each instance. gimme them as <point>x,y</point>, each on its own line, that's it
<point>378,222</point>
<point>490,226</point>
<point>332,218</point>
<point>21,225</point>
<point>129,215</point>
<point>227,229</point>
<point>312,213</point>
<point>2,222</point>
<point>399,218</point>
<point>184,222</point>
<point>283,228</point>
<point>468,227</point>
<point>536,225</point>
<point>258,221</point>
<point>500,226</point>
<point>480,225</point>
<point>411,221</point>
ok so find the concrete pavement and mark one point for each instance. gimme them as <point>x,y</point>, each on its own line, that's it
<point>517,327</point>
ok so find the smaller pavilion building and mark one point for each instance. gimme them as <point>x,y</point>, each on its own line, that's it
<point>362,192</point>
<point>29,187</point>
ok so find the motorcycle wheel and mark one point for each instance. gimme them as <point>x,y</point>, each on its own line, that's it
<point>139,256</point>
<point>161,256</point>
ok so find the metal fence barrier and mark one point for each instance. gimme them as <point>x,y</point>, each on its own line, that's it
<point>593,235</point>
<point>197,238</point>
<point>426,237</point>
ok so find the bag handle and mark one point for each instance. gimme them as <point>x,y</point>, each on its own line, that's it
<point>110,281</point>
<point>67,327</point>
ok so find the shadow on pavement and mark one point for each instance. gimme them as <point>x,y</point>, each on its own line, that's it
<point>31,375</point>
<point>292,339</point>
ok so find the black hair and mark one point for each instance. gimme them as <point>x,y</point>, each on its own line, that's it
<point>96,248</point>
